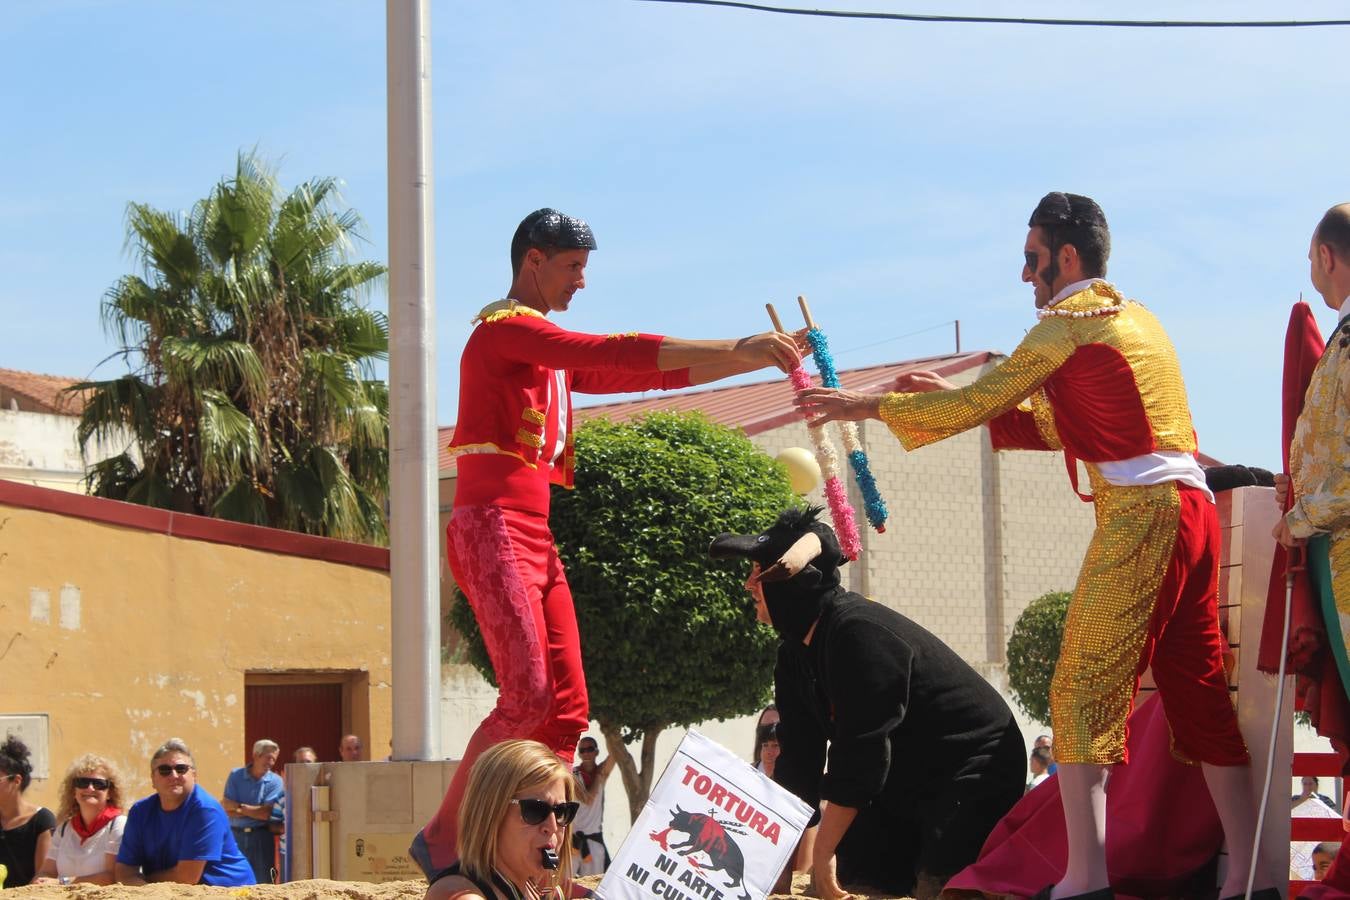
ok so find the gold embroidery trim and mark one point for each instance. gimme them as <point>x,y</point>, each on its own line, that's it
<point>503,309</point>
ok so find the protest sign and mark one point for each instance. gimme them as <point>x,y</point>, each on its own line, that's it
<point>715,828</point>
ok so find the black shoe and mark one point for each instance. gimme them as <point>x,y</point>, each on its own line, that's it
<point>1102,894</point>
<point>1269,893</point>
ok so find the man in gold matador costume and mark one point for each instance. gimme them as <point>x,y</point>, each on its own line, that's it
<point>1098,378</point>
<point>1319,456</point>
<point>1319,466</point>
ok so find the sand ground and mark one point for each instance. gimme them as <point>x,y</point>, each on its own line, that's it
<point>316,889</point>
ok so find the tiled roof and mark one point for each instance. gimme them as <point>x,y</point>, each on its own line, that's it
<point>33,392</point>
<point>754,407</point>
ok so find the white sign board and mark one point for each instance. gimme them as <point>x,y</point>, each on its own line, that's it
<point>714,828</point>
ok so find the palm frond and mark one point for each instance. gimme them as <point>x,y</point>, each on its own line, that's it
<point>116,408</point>
<point>300,496</point>
<point>208,361</point>
<point>228,444</point>
<point>330,384</point>
<point>241,502</point>
<point>164,247</point>
<point>240,212</point>
<point>372,515</point>
<point>342,513</point>
<point>363,333</point>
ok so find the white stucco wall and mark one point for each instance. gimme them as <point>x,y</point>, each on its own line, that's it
<point>40,449</point>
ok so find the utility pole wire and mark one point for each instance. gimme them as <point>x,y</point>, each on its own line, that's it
<point>1000,20</point>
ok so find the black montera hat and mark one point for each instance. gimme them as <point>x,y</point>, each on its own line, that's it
<point>1075,210</point>
<point>549,228</point>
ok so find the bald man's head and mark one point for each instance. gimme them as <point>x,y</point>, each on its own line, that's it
<point>1334,231</point>
<point>349,749</point>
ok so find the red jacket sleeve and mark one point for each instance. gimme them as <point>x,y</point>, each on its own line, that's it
<point>533,339</point>
<point>608,381</point>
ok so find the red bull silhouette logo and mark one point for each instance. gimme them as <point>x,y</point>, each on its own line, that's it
<point>707,838</point>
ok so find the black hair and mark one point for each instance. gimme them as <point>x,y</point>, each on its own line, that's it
<point>14,761</point>
<point>767,733</point>
<point>759,729</point>
<point>1072,219</point>
<point>1043,754</point>
<point>1334,231</point>
<point>550,231</point>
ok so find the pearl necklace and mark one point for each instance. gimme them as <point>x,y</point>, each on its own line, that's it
<point>1080,313</point>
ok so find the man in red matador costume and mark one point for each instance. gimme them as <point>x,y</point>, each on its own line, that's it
<point>513,440</point>
<point>1098,378</point>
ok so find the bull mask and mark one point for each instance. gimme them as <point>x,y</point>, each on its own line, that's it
<point>799,559</point>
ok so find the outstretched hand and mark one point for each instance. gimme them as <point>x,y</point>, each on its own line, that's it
<point>774,348</point>
<point>921,382</point>
<point>823,405</point>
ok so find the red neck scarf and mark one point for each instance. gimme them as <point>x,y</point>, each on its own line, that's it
<point>77,822</point>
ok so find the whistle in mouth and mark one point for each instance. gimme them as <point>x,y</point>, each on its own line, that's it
<point>550,858</point>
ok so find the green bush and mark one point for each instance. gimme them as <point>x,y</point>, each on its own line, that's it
<point>1033,651</point>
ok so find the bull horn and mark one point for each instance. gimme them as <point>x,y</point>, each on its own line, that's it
<point>797,557</point>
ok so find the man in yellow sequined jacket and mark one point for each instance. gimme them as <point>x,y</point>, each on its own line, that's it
<point>1098,378</point>
<point>513,439</point>
<point>1319,455</point>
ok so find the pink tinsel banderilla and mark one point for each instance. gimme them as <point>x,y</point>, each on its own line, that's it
<point>845,525</point>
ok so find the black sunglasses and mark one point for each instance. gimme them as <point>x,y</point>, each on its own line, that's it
<point>167,770</point>
<point>98,784</point>
<point>532,811</point>
<point>588,749</point>
<point>1033,259</point>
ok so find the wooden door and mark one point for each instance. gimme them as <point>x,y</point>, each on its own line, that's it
<point>294,715</point>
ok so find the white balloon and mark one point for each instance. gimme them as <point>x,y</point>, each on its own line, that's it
<point>803,470</point>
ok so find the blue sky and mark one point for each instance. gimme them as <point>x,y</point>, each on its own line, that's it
<point>724,158</point>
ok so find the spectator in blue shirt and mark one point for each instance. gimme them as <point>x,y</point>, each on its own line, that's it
<point>251,798</point>
<point>1044,740</point>
<point>179,833</point>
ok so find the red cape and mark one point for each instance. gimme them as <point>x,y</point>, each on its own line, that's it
<point>1163,826</point>
<point>1318,689</point>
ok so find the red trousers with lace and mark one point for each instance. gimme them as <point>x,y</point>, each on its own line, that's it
<point>506,564</point>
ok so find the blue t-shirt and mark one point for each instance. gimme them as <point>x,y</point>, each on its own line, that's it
<point>155,840</point>
<point>242,787</point>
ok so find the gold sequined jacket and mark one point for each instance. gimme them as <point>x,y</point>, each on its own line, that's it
<point>1104,385</point>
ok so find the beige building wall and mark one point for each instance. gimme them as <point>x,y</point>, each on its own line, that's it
<point>124,637</point>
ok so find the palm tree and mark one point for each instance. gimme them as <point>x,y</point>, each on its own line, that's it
<point>252,394</point>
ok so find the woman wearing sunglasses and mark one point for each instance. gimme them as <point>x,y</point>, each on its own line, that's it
<point>514,838</point>
<point>25,828</point>
<point>84,847</point>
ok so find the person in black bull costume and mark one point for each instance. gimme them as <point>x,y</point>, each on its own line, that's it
<point>924,756</point>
